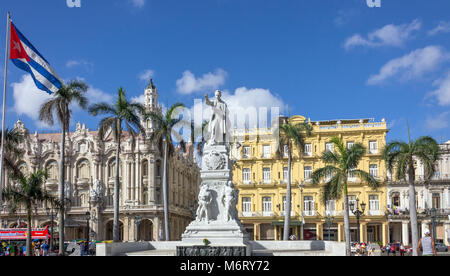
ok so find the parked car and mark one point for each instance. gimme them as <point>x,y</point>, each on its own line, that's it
<point>440,247</point>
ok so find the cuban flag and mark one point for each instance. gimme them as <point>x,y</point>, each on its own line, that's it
<point>26,57</point>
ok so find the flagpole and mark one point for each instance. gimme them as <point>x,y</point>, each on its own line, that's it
<point>8,23</point>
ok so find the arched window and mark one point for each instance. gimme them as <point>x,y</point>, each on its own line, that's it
<point>112,168</point>
<point>52,170</point>
<point>158,168</point>
<point>145,168</point>
<point>83,169</point>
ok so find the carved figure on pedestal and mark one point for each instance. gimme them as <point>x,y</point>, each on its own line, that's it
<point>204,202</point>
<point>96,191</point>
<point>229,201</point>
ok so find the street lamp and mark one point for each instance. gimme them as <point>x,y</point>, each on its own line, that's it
<point>329,221</point>
<point>358,213</point>
<point>49,211</point>
<point>88,218</point>
<point>434,221</point>
<point>137,220</point>
<point>301,186</point>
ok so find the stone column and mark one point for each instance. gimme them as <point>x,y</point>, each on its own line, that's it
<point>385,232</point>
<point>156,226</point>
<point>319,231</point>
<point>363,231</point>
<point>276,232</point>
<point>256,231</point>
<point>137,179</point>
<point>340,232</point>
<point>128,180</point>
<point>151,181</point>
<point>405,233</point>
<point>126,228</point>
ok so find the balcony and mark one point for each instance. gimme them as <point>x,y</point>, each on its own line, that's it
<point>83,183</point>
<point>309,213</point>
<point>267,214</point>
<point>374,213</point>
<point>52,184</point>
<point>247,214</point>
<point>282,213</point>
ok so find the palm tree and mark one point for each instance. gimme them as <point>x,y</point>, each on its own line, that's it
<point>163,135</point>
<point>340,164</point>
<point>402,155</point>
<point>29,193</point>
<point>12,151</point>
<point>59,104</point>
<point>290,135</point>
<point>121,113</point>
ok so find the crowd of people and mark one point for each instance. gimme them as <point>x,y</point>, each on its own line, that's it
<point>87,249</point>
<point>39,248</point>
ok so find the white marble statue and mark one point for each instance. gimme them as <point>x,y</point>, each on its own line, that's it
<point>218,127</point>
<point>229,201</point>
<point>96,190</point>
<point>204,202</point>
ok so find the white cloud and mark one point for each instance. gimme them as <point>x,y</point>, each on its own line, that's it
<point>244,105</point>
<point>443,27</point>
<point>189,84</point>
<point>28,98</point>
<point>140,99</point>
<point>442,93</point>
<point>89,66</point>
<point>412,65</point>
<point>344,16</point>
<point>138,3</point>
<point>438,122</point>
<point>146,75</point>
<point>389,35</point>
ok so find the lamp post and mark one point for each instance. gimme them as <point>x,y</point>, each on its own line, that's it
<point>358,213</point>
<point>301,186</point>
<point>329,221</point>
<point>137,221</point>
<point>434,221</point>
<point>49,211</point>
<point>88,218</point>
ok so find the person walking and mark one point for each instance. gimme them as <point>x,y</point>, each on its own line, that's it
<point>402,250</point>
<point>82,249</point>
<point>427,245</point>
<point>393,249</point>
<point>45,248</point>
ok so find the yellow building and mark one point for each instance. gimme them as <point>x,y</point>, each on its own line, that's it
<point>260,177</point>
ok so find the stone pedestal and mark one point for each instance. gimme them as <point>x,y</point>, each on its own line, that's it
<point>217,217</point>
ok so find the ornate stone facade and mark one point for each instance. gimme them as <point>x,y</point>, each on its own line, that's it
<point>90,171</point>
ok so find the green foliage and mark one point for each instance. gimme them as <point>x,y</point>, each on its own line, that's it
<point>59,104</point>
<point>28,192</point>
<point>122,115</point>
<point>340,163</point>
<point>164,126</point>
<point>400,156</point>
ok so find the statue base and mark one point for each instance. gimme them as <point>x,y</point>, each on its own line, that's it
<point>211,251</point>
<point>217,221</point>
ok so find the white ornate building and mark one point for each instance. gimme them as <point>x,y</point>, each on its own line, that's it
<point>90,171</point>
<point>434,193</point>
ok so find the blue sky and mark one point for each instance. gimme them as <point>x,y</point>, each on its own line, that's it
<point>328,59</point>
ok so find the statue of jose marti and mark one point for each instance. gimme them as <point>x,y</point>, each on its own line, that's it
<point>219,125</point>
